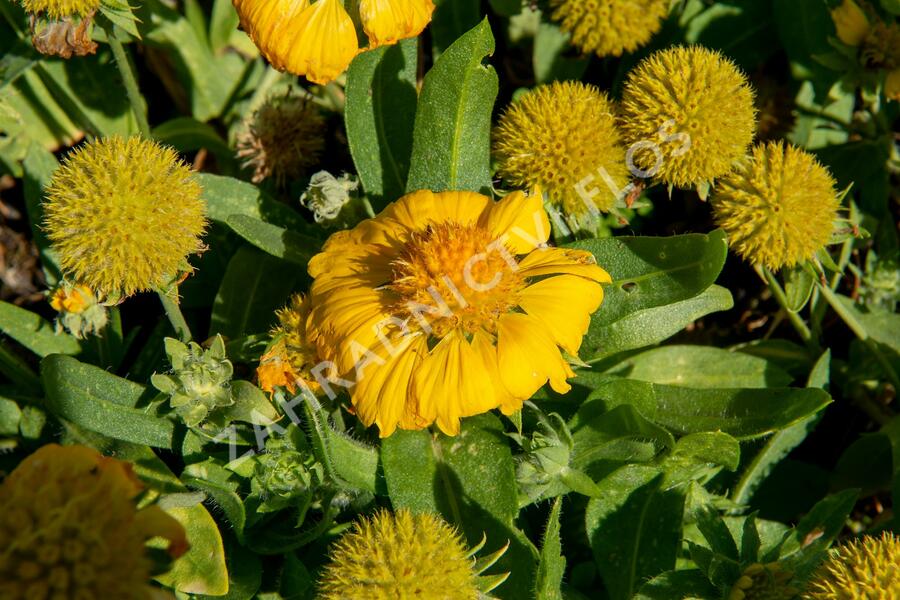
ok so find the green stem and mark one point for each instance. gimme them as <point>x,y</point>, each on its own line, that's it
<point>18,371</point>
<point>778,293</point>
<point>176,318</point>
<point>857,328</point>
<point>126,70</point>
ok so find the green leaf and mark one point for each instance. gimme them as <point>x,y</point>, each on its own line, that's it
<point>254,287</point>
<point>251,405</point>
<point>470,480</point>
<point>782,442</point>
<point>215,482</point>
<point>892,6</point>
<point>650,326</point>
<point>451,143</point>
<point>34,332</point>
<point>379,116</point>
<point>702,367</point>
<point>690,583</point>
<point>551,60</point>
<point>816,530</point>
<point>804,27</point>
<point>10,415</point>
<point>798,287</point>
<point>222,24</point>
<point>226,197</point>
<point>507,8</point>
<point>101,402</point>
<point>552,565</point>
<point>700,454</point>
<point>741,413</point>
<point>202,569</point>
<point>350,463</point>
<point>39,166</point>
<point>245,572</point>
<point>634,528</point>
<point>188,135</point>
<point>277,241</point>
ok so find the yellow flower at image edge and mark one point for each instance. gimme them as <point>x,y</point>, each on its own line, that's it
<point>58,9</point>
<point>404,555</point>
<point>318,40</point>
<point>864,569</point>
<point>687,114</point>
<point>610,27</point>
<point>557,136</point>
<point>447,305</point>
<point>123,215</point>
<point>778,206</point>
<point>69,528</point>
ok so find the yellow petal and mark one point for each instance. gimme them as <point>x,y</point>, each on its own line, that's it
<point>419,209</point>
<point>851,23</point>
<point>892,85</point>
<point>528,357</point>
<point>153,521</point>
<point>265,22</point>
<point>520,221</point>
<point>564,304</point>
<point>556,261</point>
<point>486,351</point>
<point>320,43</point>
<point>387,21</point>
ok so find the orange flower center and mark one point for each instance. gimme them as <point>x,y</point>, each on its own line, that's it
<point>453,276</point>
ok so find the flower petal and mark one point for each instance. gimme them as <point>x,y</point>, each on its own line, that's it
<point>387,21</point>
<point>564,304</point>
<point>529,357</point>
<point>556,261</point>
<point>320,43</point>
<point>419,209</point>
<point>520,221</point>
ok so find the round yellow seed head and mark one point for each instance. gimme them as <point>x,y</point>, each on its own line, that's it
<point>865,569</point>
<point>58,9</point>
<point>778,206</point>
<point>610,27</point>
<point>123,215</point>
<point>69,528</point>
<point>556,136</point>
<point>400,555</point>
<point>282,139</point>
<point>687,115</point>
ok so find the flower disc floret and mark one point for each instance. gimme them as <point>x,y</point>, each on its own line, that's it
<point>687,115</point>
<point>558,137</point>
<point>864,569</point>
<point>123,216</point>
<point>778,206</point>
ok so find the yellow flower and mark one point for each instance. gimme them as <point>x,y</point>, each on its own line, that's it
<point>318,40</point>
<point>778,206</point>
<point>123,215</point>
<point>764,582</point>
<point>687,114</point>
<point>69,528</point>
<point>59,9</point>
<point>851,23</point>
<point>293,354</point>
<point>559,136</point>
<point>429,310</point>
<point>282,139</point>
<point>864,569</point>
<point>610,27</point>
<point>71,299</point>
<point>402,555</point>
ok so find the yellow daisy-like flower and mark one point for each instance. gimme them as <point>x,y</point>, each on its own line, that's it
<point>851,23</point>
<point>123,215</point>
<point>559,136</point>
<point>687,115</point>
<point>318,40</point>
<point>282,139</point>
<point>778,206</point>
<point>865,569</point>
<point>448,305</point>
<point>610,27</point>
<point>402,555</point>
<point>69,528</point>
<point>59,9</point>
<point>292,355</point>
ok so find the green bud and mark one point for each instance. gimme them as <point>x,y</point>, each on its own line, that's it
<point>200,380</point>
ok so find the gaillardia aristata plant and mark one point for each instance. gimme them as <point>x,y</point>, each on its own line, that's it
<point>291,355</point>
<point>778,206</point>
<point>71,529</point>
<point>318,39</point>
<point>609,27</point>
<point>687,115</point>
<point>406,555</point>
<point>448,305</point>
<point>864,569</point>
<point>124,215</point>
<point>559,136</point>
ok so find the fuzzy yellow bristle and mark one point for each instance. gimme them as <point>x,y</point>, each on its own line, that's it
<point>610,27</point>
<point>865,569</point>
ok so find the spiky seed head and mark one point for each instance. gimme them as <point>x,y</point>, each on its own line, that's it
<point>563,137</point>
<point>59,9</point>
<point>864,569</point>
<point>609,27</point>
<point>123,215</point>
<point>778,206</point>
<point>687,115</point>
<point>282,139</point>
